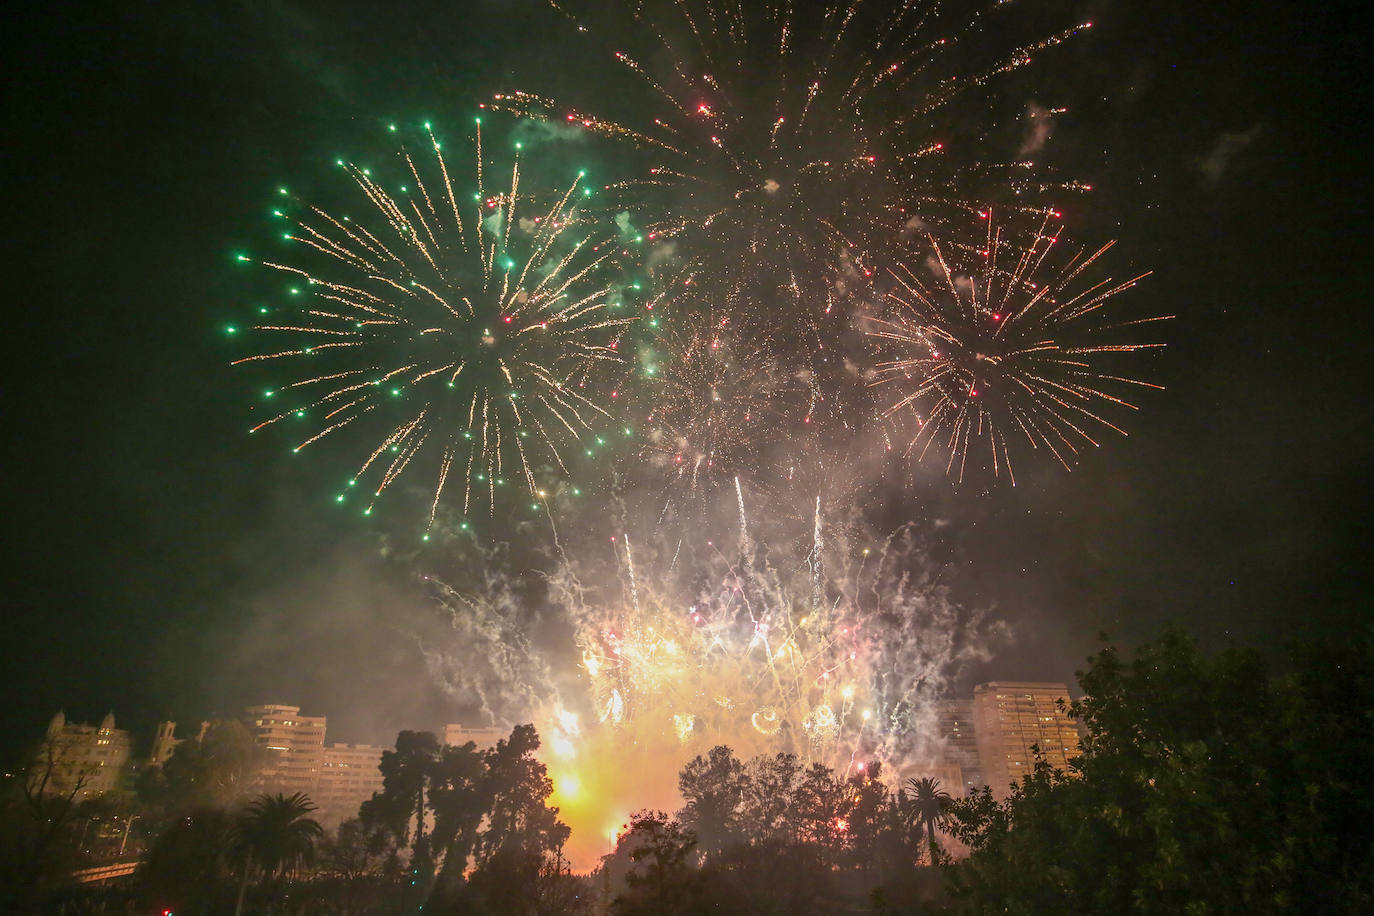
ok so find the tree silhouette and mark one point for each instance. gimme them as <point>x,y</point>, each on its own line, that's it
<point>348,854</point>
<point>407,773</point>
<point>38,814</point>
<point>210,770</point>
<point>868,816</point>
<point>408,776</point>
<point>925,804</point>
<point>769,804</point>
<point>275,835</point>
<point>660,849</point>
<point>187,868</point>
<point>497,834</point>
<point>518,787</point>
<point>1205,785</point>
<point>820,799</point>
<point>461,797</point>
<point>713,788</point>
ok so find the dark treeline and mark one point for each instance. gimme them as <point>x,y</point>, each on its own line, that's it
<point>771,835</point>
<point>455,829</point>
<point>1206,784</point>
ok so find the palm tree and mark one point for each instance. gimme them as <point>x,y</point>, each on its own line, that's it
<point>274,834</point>
<point>926,804</point>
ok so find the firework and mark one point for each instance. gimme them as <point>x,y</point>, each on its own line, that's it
<point>741,656</point>
<point>1004,344</point>
<point>645,644</point>
<point>463,325</point>
<point>706,640</point>
<point>808,479</point>
<point>779,138</point>
<point>716,401</point>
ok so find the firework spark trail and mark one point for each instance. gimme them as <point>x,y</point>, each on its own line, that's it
<point>814,558</point>
<point>743,521</point>
<point>485,340</point>
<point>994,340</point>
<point>630,568</point>
<point>494,665</point>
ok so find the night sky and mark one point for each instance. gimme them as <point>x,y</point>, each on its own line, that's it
<point>161,562</point>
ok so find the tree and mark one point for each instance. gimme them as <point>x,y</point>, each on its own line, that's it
<point>349,854</point>
<point>713,788</point>
<point>408,775</point>
<point>516,882</point>
<point>214,769</point>
<point>187,868</point>
<point>355,870</point>
<point>275,835</point>
<point>491,810</point>
<point>768,877</point>
<point>518,787</point>
<point>1205,785</point>
<point>461,799</point>
<point>924,803</point>
<point>768,804</point>
<point>820,799</point>
<point>660,850</point>
<point>40,809</point>
<point>45,840</point>
<point>558,892</point>
<point>871,830</point>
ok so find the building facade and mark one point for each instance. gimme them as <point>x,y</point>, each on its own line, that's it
<point>80,759</point>
<point>959,738</point>
<point>349,775</point>
<point>338,778</point>
<point>295,744</point>
<point>1011,717</point>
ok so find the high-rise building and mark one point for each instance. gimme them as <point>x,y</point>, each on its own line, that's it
<point>296,743</point>
<point>80,758</point>
<point>457,735</point>
<point>959,737</point>
<point>1010,718</point>
<point>337,777</point>
<point>349,775</point>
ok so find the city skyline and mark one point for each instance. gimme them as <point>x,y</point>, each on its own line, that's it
<point>969,736</point>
